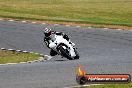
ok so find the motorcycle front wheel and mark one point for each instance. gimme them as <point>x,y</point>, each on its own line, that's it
<point>65,53</point>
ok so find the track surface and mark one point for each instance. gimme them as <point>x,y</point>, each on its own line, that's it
<point>101,51</point>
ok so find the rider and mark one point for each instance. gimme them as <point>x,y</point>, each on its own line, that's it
<point>50,38</point>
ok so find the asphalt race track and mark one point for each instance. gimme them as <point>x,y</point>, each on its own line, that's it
<point>101,51</point>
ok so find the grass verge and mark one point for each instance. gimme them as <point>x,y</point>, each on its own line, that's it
<point>108,12</point>
<point>110,86</point>
<point>16,57</point>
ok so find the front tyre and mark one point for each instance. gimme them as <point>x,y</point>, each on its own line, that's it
<point>65,52</point>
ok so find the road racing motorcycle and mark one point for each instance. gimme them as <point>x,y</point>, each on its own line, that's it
<point>61,47</point>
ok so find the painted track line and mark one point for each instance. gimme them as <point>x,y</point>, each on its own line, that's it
<point>33,22</point>
<point>40,59</point>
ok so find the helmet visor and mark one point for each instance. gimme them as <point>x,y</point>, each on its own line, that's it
<point>48,34</point>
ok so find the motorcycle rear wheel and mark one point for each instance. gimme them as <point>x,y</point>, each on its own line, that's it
<point>77,55</point>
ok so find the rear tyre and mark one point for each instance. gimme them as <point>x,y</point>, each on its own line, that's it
<point>77,55</point>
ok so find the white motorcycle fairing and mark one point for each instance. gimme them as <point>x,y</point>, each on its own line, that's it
<point>59,39</point>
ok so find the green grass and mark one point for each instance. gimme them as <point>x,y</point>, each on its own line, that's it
<point>111,86</point>
<point>16,57</point>
<point>115,12</point>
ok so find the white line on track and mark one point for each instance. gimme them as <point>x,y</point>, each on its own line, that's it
<point>2,64</point>
<point>23,62</point>
<point>25,51</point>
<point>36,53</point>
<point>34,22</point>
<point>90,27</point>
<point>78,26</point>
<point>106,28</point>
<point>119,29</point>
<point>11,20</point>
<point>56,24</point>
<point>23,21</point>
<point>19,50</point>
<point>42,54</point>
<point>10,49</point>
<point>11,63</point>
<point>68,25</point>
<point>31,52</point>
<point>43,23</point>
<point>3,48</point>
<point>83,86</point>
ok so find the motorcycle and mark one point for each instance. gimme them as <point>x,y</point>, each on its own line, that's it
<point>64,51</point>
<point>61,48</point>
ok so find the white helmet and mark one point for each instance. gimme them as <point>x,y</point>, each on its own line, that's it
<point>47,32</point>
